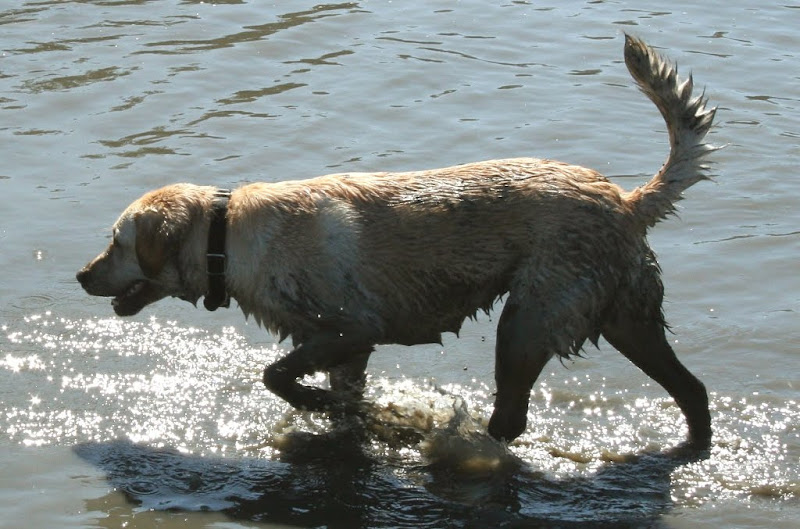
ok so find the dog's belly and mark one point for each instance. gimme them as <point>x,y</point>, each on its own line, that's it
<point>443,311</point>
<point>414,311</point>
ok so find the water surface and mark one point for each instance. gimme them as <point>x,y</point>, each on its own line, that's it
<point>161,420</point>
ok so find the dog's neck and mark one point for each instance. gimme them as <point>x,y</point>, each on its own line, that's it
<point>216,260</point>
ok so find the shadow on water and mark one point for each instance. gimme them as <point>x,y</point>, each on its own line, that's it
<point>338,479</point>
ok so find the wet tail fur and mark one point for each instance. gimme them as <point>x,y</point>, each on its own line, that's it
<point>688,121</point>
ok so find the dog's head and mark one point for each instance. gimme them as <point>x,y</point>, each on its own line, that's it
<point>156,247</point>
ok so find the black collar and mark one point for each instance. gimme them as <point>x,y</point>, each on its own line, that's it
<point>217,295</point>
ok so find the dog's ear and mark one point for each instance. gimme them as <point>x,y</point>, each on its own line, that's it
<point>152,241</point>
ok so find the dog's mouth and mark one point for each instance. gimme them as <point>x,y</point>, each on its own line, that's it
<point>138,295</point>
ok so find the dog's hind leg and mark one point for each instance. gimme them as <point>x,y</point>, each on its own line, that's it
<point>551,310</point>
<point>351,377</point>
<point>319,353</point>
<point>520,356</point>
<point>643,341</point>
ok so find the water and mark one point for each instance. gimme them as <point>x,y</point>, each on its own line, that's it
<point>161,420</point>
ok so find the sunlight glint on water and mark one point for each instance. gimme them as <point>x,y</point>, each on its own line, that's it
<point>166,385</point>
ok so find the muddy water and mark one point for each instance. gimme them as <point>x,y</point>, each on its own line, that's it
<point>161,420</point>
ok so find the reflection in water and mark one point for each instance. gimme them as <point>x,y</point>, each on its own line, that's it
<point>69,82</point>
<point>337,479</point>
<point>250,33</point>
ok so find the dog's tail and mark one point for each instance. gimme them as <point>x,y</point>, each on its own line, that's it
<point>688,121</point>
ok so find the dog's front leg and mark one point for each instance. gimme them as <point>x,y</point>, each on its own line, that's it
<point>322,352</point>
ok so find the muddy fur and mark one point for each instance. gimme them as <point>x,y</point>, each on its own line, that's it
<point>344,262</point>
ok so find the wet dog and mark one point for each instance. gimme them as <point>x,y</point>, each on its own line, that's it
<point>344,262</point>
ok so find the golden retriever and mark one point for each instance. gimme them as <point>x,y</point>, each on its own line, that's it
<point>344,262</point>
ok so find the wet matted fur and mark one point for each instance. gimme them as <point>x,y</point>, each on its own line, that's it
<point>344,262</point>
